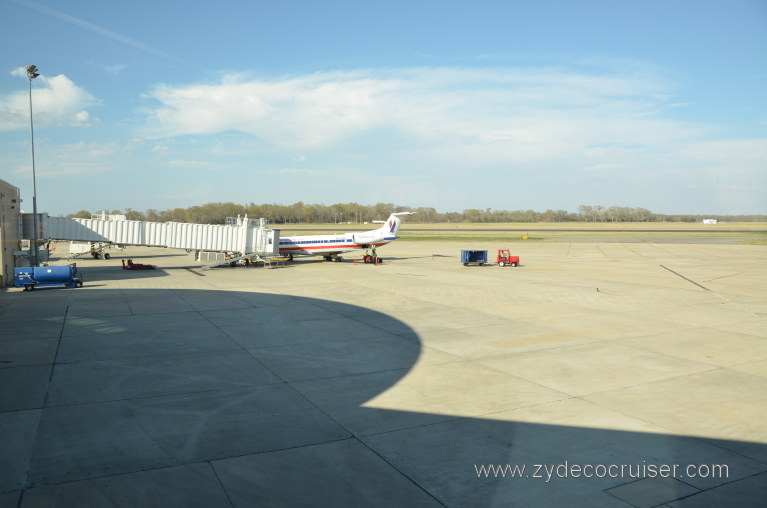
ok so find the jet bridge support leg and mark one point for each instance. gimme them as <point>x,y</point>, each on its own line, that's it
<point>233,260</point>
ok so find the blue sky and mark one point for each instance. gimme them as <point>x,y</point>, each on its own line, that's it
<point>448,104</point>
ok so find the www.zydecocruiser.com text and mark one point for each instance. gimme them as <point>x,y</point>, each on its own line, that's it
<point>549,472</point>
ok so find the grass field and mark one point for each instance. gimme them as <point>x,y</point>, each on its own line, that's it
<point>627,226</point>
<point>750,232</point>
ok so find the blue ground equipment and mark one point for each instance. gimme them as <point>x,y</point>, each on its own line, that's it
<point>47,276</point>
<point>473,256</point>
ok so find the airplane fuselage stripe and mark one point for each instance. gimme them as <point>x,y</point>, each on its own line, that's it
<point>328,247</point>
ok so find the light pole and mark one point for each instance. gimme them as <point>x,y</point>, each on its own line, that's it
<point>32,74</point>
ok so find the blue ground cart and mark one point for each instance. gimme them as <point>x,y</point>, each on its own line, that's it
<point>473,256</point>
<point>31,277</point>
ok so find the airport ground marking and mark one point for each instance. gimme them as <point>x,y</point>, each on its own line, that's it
<point>685,278</point>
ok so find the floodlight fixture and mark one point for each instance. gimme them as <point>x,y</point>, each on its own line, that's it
<point>32,71</point>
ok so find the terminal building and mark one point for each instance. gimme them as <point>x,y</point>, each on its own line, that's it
<point>10,237</point>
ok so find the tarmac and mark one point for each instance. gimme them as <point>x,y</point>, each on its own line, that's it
<point>594,374</point>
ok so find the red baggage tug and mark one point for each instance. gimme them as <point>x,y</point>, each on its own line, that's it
<point>504,258</point>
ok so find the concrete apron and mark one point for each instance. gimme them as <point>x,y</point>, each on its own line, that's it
<point>614,374</point>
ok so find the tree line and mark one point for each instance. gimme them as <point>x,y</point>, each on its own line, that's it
<point>298,213</point>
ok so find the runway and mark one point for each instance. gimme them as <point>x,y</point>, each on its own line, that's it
<point>595,374</point>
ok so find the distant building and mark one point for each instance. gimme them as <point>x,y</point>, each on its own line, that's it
<point>105,216</point>
<point>10,214</point>
<point>710,221</point>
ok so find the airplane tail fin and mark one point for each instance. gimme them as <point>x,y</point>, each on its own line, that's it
<point>391,227</point>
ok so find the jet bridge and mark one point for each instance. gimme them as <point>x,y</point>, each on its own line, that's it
<point>243,238</point>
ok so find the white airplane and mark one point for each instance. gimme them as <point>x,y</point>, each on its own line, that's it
<point>330,246</point>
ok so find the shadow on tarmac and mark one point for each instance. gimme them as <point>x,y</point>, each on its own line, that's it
<point>91,274</point>
<point>206,398</point>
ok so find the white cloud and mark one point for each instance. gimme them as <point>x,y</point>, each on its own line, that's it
<point>115,69</point>
<point>55,101</point>
<point>291,171</point>
<point>528,108</point>
<point>81,118</point>
<point>605,129</point>
<point>188,163</point>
